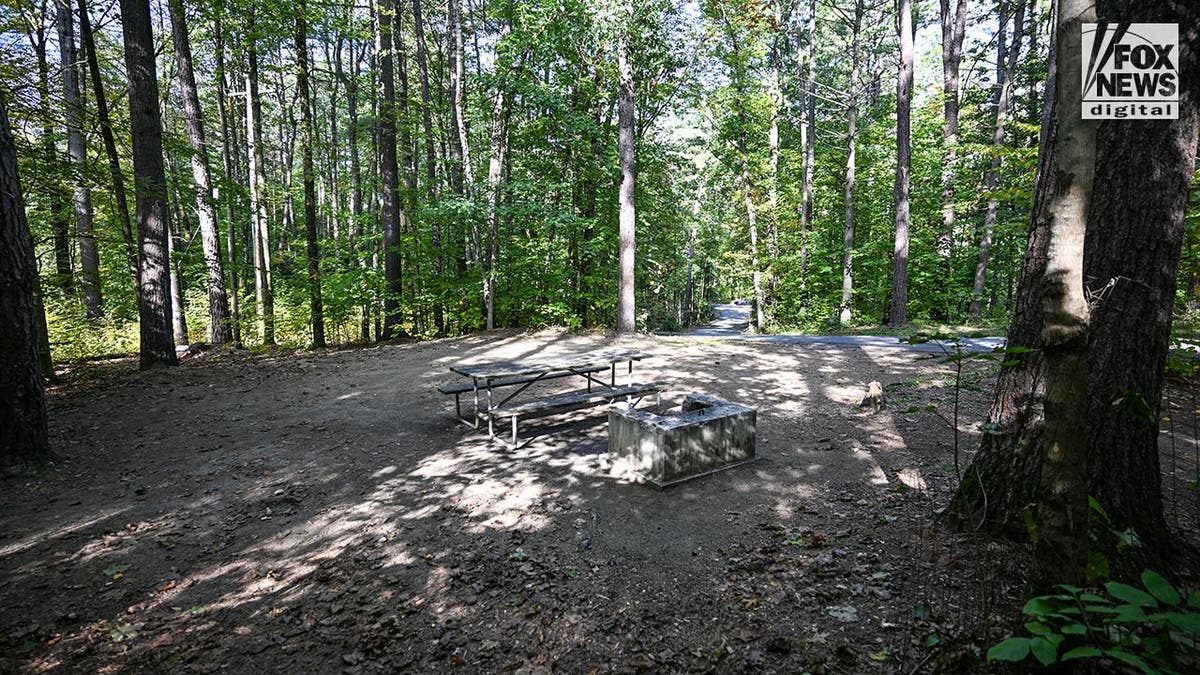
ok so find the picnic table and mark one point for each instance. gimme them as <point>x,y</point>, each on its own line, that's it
<point>498,389</point>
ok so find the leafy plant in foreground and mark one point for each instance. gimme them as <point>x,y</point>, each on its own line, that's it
<point>1155,629</point>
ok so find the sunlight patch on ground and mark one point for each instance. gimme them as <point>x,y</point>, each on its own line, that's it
<point>911,476</point>
<point>42,537</point>
<point>877,476</point>
<point>849,394</point>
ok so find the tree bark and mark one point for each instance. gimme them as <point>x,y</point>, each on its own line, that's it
<point>312,249</point>
<point>388,172</point>
<point>626,297</point>
<point>904,84</point>
<point>154,296</point>
<point>439,319</point>
<point>89,257</point>
<point>26,439</point>
<point>954,26</point>
<point>846,313</point>
<point>260,237</point>
<point>219,331</point>
<point>116,176</point>
<point>809,133</point>
<point>1006,65</point>
<point>227,161</point>
<point>59,225</point>
<point>1060,547</point>
<point>1134,235</point>
<point>460,148</point>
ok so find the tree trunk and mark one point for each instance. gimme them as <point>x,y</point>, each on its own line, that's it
<point>26,439</point>
<point>356,189</point>
<point>809,134</point>
<point>989,497</point>
<point>460,148</point>
<point>388,172</point>
<point>261,243</point>
<point>496,163</point>
<point>1006,65</point>
<point>210,235</point>
<point>904,83</point>
<point>778,103</point>
<point>59,225</point>
<point>154,296</point>
<point>89,257</point>
<point>312,249</point>
<point>439,318</point>
<point>846,313</point>
<point>1134,234</point>
<point>1059,553</point>
<point>626,297</point>
<point>954,26</point>
<point>110,144</point>
<point>179,326</point>
<point>227,159</point>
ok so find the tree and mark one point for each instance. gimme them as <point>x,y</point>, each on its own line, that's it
<point>498,157</point>
<point>845,313</point>
<point>259,233</point>
<point>89,258</point>
<point>390,213</point>
<point>22,402</point>
<point>626,316</point>
<point>954,27</point>
<point>312,249</point>
<point>904,82</point>
<point>1134,235</point>
<point>1007,57</point>
<point>116,176</point>
<point>809,137</point>
<point>1059,554</point>
<point>60,226</point>
<point>219,330</point>
<point>145,121</point>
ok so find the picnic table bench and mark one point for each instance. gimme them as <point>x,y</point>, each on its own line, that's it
<point>515,377</point>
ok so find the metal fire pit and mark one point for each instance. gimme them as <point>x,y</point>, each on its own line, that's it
<point>708,435</point>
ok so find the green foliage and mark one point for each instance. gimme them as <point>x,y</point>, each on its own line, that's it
<point>1154,629</point>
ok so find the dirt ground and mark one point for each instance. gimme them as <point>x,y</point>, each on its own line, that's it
<point>319,513</point>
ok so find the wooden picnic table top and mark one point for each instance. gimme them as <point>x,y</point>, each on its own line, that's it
<point>498,369</point>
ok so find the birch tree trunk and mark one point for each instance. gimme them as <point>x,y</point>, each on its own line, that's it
<point>626,299</point>
<point>210,236</point>
<point>499,157</point>
<point>263,294</point>
<point>59,225</point>
<point>89,257</point>
<point>1060,549</point>
<point>157,347</point>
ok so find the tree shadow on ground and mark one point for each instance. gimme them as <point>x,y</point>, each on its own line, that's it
<point>323,512</point>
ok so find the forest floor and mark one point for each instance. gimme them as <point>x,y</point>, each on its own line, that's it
<point>324,512</point>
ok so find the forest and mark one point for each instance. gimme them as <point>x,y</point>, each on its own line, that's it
<point>276,135</point>
<point>242,245</point>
